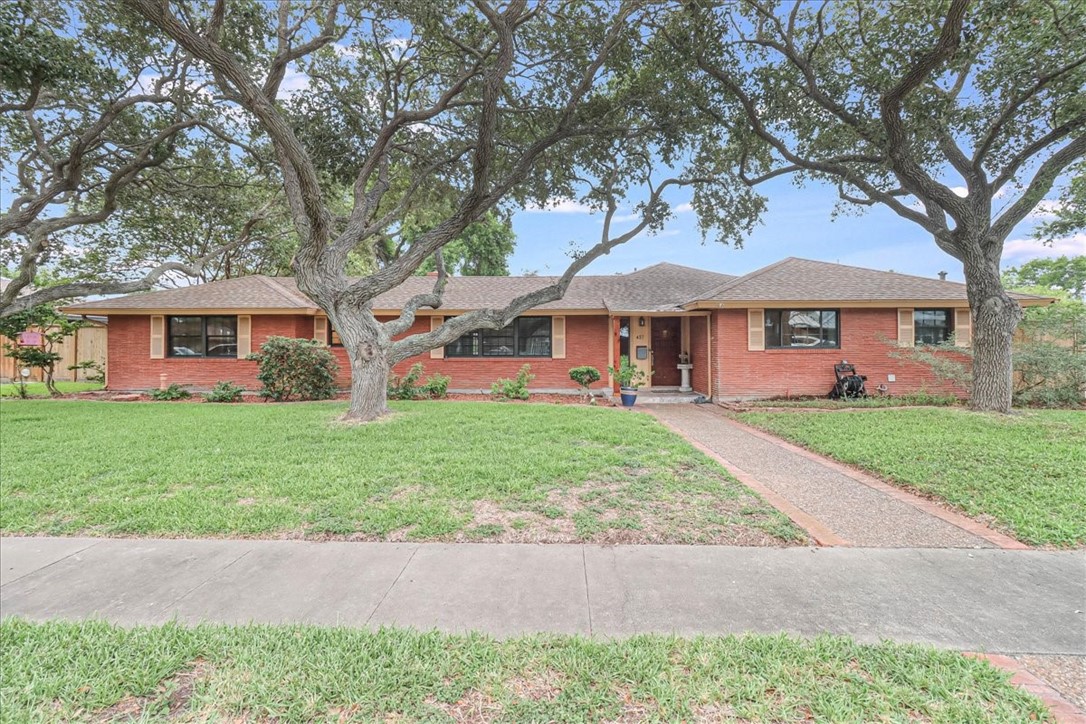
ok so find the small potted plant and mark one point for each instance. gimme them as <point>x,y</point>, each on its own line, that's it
<point>629,378</point>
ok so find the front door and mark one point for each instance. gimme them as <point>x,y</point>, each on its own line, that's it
<point>666,347</point>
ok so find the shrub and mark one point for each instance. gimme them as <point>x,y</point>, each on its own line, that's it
<point>92,371</point>
<point>514,389</point>
<point>301,368</point>
<point>173,392</point>
<point>584,376</point>
<point>406,387</point>
<point>225,392</point>
<point>409,386</point>
<point>1049,374</point>
<point>437,386</point>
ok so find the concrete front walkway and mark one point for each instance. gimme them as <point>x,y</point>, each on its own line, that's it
<point>979,600</point>
<point>832,503</point>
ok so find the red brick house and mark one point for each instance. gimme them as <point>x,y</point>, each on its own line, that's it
<point>774,332</point>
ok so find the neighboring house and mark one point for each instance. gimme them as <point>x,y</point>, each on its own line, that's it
<point>774,332</point>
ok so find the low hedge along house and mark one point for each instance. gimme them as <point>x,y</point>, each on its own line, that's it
<point>774,332</point>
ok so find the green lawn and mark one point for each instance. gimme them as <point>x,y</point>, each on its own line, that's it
<point>96,672</point>
<point>433,471</point>
<point>824,403</point>
<point>1025,473</point>
<point>37,389</point>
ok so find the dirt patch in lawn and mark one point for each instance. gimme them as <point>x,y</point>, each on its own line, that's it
<point>173,694</point>
<point>536,685</point>
<point>473,706</point>
<point>619,513</point>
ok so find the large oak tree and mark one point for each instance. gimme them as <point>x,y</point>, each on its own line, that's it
<point>958,115</point>
<point>458,106</point>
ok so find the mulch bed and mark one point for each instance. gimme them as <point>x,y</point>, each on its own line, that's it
<point>536,398</point>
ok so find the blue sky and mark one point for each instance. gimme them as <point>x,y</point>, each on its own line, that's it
<point>797,223</point>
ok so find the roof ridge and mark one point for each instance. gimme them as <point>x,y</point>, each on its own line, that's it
<point>284,292</point>
<point>879,271</point>
<point>740,279</point>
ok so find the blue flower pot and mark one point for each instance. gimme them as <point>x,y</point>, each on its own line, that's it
<point>628,395</point>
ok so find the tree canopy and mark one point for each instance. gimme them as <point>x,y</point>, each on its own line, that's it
<point>1064,273</point>
<point>91,101</point>
<point>932,110</point>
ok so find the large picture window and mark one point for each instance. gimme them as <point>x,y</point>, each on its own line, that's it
<point>800,328</point>
<point>203,337</point>
<point>932,326</point>
<point>525,337</point>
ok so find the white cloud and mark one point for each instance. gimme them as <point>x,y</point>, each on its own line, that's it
<point>684,208</point>
<point>1045,209</point>
<point>293,82</point>
<point>561,206</point>
<point>1021,250</point>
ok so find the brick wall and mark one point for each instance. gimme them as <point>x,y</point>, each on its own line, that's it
<point>586,344</point>
<point>740,373</point>
<point>699,355</point>
<point>130,366</point>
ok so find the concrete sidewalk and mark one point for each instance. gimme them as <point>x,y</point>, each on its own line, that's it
<point>980,600</point>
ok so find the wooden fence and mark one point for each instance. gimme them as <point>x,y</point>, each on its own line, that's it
<point>88,343</point>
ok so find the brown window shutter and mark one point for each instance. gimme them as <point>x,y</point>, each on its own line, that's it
<point>435,322</point>
<point>756,330</point>
<point>320,329</point>
<point>245,335</point>
<point>906,332</point>
<point>158,336</point>
<point>558,337</point>
<point>963,327</point>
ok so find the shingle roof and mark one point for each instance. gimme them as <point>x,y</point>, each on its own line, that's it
<point>252,292</point>
<point>661,287</point>
<point>658,288</point>
<point>795,279</point>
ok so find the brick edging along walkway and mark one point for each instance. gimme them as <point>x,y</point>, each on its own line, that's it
<point>1000,540</point>
<point>1063,711</point>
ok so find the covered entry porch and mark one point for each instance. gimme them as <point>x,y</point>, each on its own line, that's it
<point>672,350</point>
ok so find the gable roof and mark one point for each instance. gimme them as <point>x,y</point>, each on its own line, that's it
<point>806,280</point>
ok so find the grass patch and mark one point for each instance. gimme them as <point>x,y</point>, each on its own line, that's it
<point>433,471</point>
<point>1026,472</point>
<point>37,389</point>
<point>81,671</point>
<point>824,403</point>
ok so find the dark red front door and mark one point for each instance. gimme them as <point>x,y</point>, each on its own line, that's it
<point>666,346</point>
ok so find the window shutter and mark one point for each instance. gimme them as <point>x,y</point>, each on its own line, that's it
<point>963,327</point>
<point>906,336</point>
<point>558,337</point>
<point>756,330</point>
<point>245,335</point>
<point>158,336</point>
<point>320,329</point>
<point>435,322</point>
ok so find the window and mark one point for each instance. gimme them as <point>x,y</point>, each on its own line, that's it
<point>203,337</point>
<point>525,337</point>
<point>932,326</point>
<point>795,328</point>
<point>333,336</point>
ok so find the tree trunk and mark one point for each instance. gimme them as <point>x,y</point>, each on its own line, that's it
<point>368,354</point>
<point>995,317</point>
